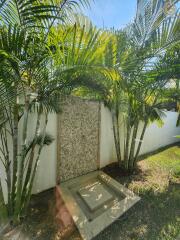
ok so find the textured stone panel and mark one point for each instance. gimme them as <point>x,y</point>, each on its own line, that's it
<point>78,137</point>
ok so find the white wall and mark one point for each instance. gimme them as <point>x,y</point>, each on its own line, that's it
<point>155,137</point>
<point>46,173</point>
<point>107,147</point>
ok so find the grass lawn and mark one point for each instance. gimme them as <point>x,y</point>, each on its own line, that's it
<point>155,217</point>
<point>168,159</point>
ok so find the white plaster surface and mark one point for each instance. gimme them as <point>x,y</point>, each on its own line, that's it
<point>155,137</point>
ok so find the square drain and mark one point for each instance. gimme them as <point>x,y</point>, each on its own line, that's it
<point>95,201</point>
<point>95,195</point>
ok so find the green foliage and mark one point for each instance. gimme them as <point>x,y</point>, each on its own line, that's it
<point>48,139</point>
<point>34,13</point>
<point>137,93</point>
<point>42,57</point>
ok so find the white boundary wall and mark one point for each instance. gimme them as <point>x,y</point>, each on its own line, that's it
<point>46,172</point>
<point>155,138</point>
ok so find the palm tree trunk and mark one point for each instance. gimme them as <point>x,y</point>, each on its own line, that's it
<point>140,143</point>
<point>15,152</point>
<point>133,144</point>
<point>31,158</point>
<point>3,209</point>
<point>21,160</point>
<point>8,172</point>
<point>6,163</point>
<point>29,190</point>
<point>126,151</point>
<point>116,135</point>
<point>124,138</point>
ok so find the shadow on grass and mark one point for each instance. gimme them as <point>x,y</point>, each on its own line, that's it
<point>155,217</point>
<point>161,149</point>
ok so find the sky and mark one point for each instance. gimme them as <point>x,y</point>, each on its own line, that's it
<point>111,13</point>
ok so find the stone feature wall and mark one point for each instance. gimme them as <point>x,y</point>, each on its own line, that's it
<point>78,138</point>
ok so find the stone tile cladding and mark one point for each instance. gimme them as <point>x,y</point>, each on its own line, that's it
<point>78,138</point>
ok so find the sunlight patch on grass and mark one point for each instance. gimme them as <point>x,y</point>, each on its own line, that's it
<point>168,159</point>
<point>157,172</point>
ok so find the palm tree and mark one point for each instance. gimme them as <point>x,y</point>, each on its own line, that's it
<point>136,88</point>
<point>40,60</point>
<point>171,62</point>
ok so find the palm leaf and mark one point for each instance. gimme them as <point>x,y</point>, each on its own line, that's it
<point>76,45</point>
<point>30,13</point>
<point>150,15</point>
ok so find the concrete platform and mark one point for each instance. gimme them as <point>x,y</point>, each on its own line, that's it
<point>95,201</point>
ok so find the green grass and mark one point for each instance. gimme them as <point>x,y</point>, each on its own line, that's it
<point>168,159</point>
<point>157,215</point>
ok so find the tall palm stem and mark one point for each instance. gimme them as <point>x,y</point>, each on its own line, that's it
<point>4,141</point>
<point>133,144</point>
<point>140,142</point>
<point>3,208</point>
<point>29,190</point>
<point>116,136</point>
<point>21,160</point>
<point>126,150</point>
<point>31,158</point>
<point>15,152</point>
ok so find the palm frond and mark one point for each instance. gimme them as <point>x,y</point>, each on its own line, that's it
<point>166,35</point>
<point>30,13</point>
<point>48,139</point>
<point>76,45</point>
<point>150,15</point>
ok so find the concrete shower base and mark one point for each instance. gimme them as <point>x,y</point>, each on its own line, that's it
<point>95,201</point>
